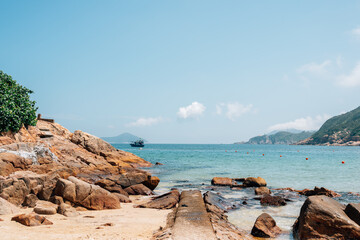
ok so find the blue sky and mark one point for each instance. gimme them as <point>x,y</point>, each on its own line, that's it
<point>185,71</point>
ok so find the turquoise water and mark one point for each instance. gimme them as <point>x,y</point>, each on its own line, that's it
<point>188,166</point>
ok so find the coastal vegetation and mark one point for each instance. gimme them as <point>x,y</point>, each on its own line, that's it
<point>122,138</point>
<point>16,108</point>
<point>282,137</point>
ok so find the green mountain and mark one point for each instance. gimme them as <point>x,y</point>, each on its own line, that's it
<point>339,130</point>
<point>122,138</point>
<point>282,137</point>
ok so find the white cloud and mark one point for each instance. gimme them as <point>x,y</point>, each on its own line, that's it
<point>305,124</point>
<point>194,110</point>
<point>339,61</point>
<point>356,32</point>
<point>351,80</point>
<point>314,68</point>
<point>233,110</point>
<point>143,122</point>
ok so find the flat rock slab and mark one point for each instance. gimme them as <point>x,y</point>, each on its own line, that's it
<point>192,222</point>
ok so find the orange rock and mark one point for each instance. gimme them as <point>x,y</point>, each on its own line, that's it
<point>31,220</point>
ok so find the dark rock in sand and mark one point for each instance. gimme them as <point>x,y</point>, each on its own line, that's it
<point>265,227</point>
<point>138,189</point>
<point>31,219</point>
<point>323,217</point>
<point>30,200</point>
<point>165,201</point>
<point>353,212</point>
<point>254,182</point>
<point>262,191</point>
<point>319,191</point>
<point>218,201</point>
<point>269,200</point>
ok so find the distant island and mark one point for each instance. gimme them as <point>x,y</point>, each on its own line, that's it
<point>122,138</point>
<point>282,137</point>
<point>341,130</point>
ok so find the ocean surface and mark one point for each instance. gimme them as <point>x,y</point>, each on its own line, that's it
<point>189,166</point>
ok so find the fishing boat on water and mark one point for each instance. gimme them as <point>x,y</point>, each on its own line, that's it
<point>138,143</point>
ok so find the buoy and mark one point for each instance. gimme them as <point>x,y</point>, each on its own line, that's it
<point>298,150</point>
<point>342,162</point>
<point>225,150</point>
<point>247,153</point>
<point>235,151</point>
<point>307,158</point>
<point>280,155</point>
<point>263,154</point>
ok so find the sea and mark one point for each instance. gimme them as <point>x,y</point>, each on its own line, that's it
<point>192,166</point>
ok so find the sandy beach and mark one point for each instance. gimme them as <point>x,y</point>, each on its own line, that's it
<point>127,223</point>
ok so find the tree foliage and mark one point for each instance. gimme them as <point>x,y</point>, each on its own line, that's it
<point>16,108</point>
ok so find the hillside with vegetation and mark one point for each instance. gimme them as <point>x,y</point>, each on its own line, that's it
<point>122,138</point>
<point>282,137</point>
<point>343,129</point>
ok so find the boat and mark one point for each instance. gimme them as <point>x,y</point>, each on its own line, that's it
<point>138,143</point>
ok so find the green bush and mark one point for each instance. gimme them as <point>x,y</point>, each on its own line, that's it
<point>16,108</point>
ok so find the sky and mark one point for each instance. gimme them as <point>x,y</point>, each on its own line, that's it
<point>185,71</point>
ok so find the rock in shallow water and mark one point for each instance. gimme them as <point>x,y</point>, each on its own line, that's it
<point>268,200</point>
<point>265,227</point>
<point>262,191</point>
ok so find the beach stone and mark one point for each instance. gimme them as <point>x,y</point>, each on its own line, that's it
<point>254,182</point>
<point>46,192</point>
<point>218,201</point>
<point>117,189</point>
<point>56,200</point>
<point>138,189</point>
<point>65,189</point>
<point>152,182</point>
<point>268,200</point>
<point>16,192</point>
<point>353,212</point>
<point>319,191</point>
<point>165,201</point>
<point>222,181</point>
<point>7,207</point>
<point>31,220</point>
<point>265,227</point>
<point>122,198</point>
<point>45,208</point>
<point>322,217</point>
<point>67,210</point>
<point>30,200</point>
<point>262,191</point>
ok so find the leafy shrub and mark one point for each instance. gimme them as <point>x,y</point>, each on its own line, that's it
<point>16,108</point>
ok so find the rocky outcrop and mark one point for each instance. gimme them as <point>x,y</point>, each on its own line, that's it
<point>7,207</point>
<point>85,194</point>
<point>265,227</point>
<point>353,212</point>
<point>31,220</point>
<point>325,218</point>
<point>262,191</point>
<point>138,189</point>
<point>268,200</point>
<point>165,201</point>
<point>217,200</point>
<point>319,191</point>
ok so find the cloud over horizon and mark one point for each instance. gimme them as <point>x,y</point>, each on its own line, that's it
<point>356,32</point>
<point>314,68</point>
<point>305,124</point>
<point>233,109</point>
<point>143,122</point>
<point>352,79</point>
<point>194,110</point>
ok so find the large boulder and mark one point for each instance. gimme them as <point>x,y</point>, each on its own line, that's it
<point>152,182</point>
<point>265,227</point>
<point>165,201</point>
<point>222,181</point>
<point>67,210</point>
<point>87,195</point>
<point>262,191</point>
<point>138,189</point>
<point>254,182</point>
<point>30,200</point>
<point>353,212</point>
<point>7,207</point>
<point>319,191</point>
<point>14,191</point>
<point>323,217</point>
<point>31,219</point>
<point>45,208</point>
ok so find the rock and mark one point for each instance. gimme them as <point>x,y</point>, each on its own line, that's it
<point>67,210</point>
<point>31,220</point>
<point>16,192</point>
<point>138,189</point>
<point>105,183</point>
<point>152,182</point>
<point>158,163</point>
<point>122,198</point>
<point>268,200</point>
<point>7,207</point>
<point>254,182</point>
<point>165,201</point>
<point>222,181</point>
<point>323,217</point>
<point>30,200</point>
<point>353,212</point>
<point>45,208</point>
<point>86,195</point>
<point>56,200</point>
<point>80,209</point>
<point>319,191</point>
<point>265,227</point>
<point>217,200</point>
<point>117,189</point>
<point>91,143</point>
<point>46,192</point>
<point>4,140</point>
<point>262,191</point>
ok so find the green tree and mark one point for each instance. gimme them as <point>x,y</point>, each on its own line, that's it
<point>16,108</point>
